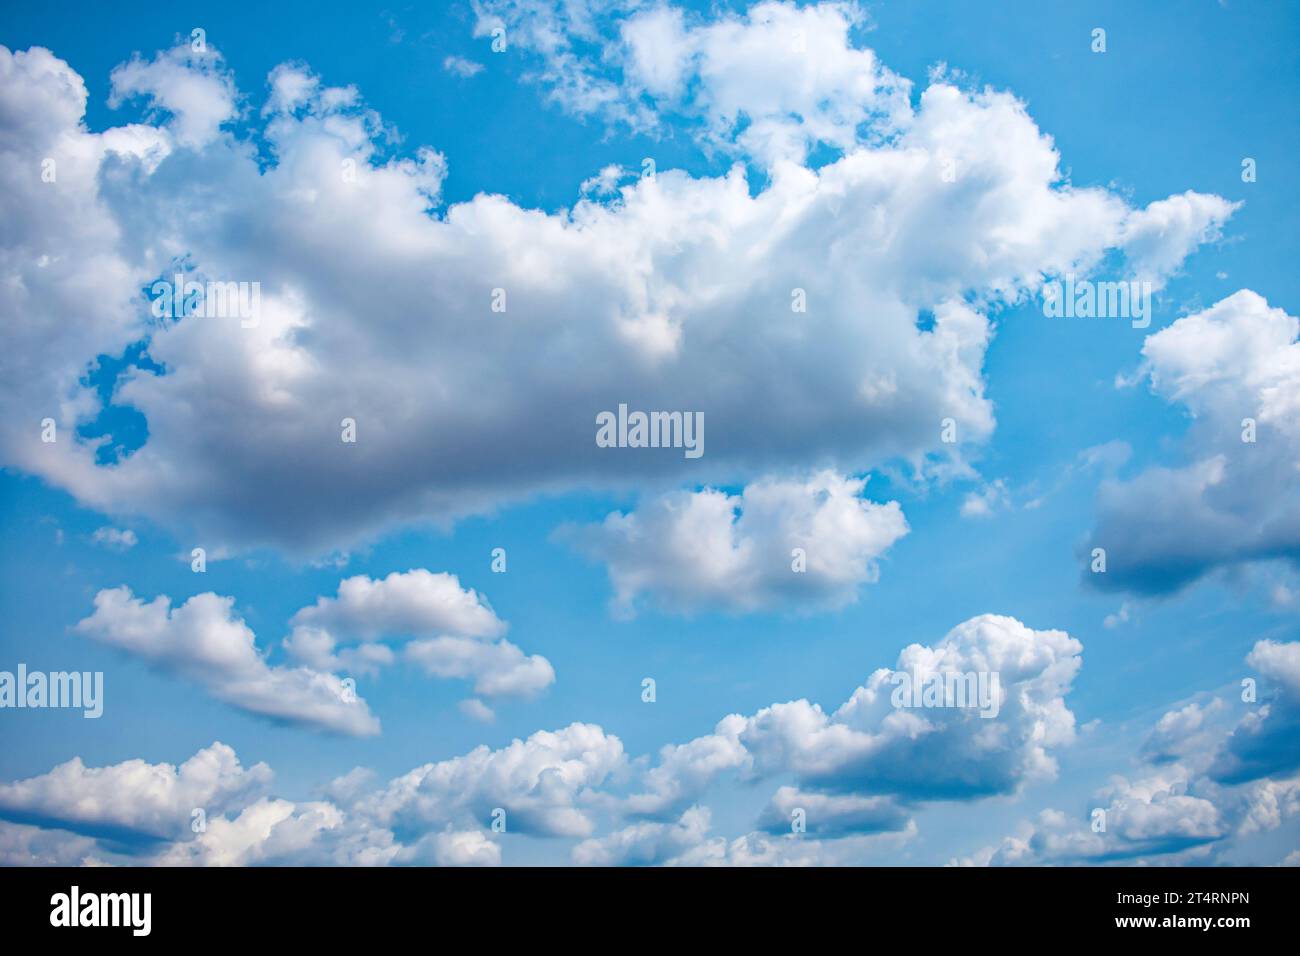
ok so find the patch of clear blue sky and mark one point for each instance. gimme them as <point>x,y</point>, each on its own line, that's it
<point>1184,92</point>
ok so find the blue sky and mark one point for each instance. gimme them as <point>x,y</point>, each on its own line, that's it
<point>1182,93</point>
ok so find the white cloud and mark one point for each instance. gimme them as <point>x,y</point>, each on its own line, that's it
<point>22,845</point>
<point>1158,238</point>
<point>539,782</point>
<point>646,843</point>
<point>204,641</point>
<point>475,709</point>
<point>376,309</point>
<point>133,798</point>
<point>1266,741</point>
<point>859,768</point>
<point>690,550</point>
<point>1207,775</point>
<point>115,539</point>
<point>456,633</point>
<point>1153,817</point>
<point>992,496</point>
<point>1184,732</point>
<point>192,86</point>
<point>833,815</point>
<point>868,745</point>
<point>403,603</point>
<point>1235,501</point>
<point>459,66</point>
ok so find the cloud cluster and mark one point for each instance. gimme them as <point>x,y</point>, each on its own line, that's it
<point>859,775</point>
<point>437,814</point>
<point>1206,773</point>
<point>204,641</point>
<point>563,783</point>
<point>447,631</point>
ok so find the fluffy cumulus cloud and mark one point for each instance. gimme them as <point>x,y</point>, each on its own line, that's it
<point>1235,368</point>
<point>814,540</point>
<point>871,744</point>
<point>452,632</point>
<point>445,630</point>
<point>188,85</point>
<point>134,801</point>
<point>204,641</point>
<point>1267,740</point>
<point>375,301</point>
<point>862,766</point>
<point>540,783</point>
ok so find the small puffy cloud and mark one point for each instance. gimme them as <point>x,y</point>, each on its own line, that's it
<point>1156,240</point>
<point>691,550</point>
<point>194,87</point>
<point>205,642</point>
<point>497,669</point>
<point>1121,616</point>
<point>605,182</point>
<point>459,66</point>
<point>1184,732</point>
<point>115,539</point>
<point>772,81</point>
<point>403,603</point>
<point>989,498</point>
<point>451,632</point>
<point>1268,802</point>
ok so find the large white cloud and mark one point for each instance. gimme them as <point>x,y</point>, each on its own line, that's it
<point>676,295</point>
